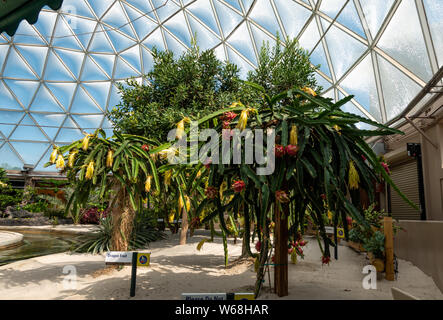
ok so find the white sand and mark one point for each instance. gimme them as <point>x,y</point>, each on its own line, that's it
<point>176,269</point>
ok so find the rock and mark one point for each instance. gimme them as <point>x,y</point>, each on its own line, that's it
<point>14,212</point>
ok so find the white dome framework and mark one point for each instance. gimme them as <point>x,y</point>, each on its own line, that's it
<point>57,77</point>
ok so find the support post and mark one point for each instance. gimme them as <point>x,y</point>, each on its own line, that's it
<point>389,249</point>
<point>281,250</point>
<point>133,274</point>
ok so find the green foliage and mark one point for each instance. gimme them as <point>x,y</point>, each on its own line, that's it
<point>143,233</point>
<point>193,85</point>
<point>3,176</point>
<point>10,197</point>
<point>39,206</point>
<point>375,244</point>
<point>280,69</point>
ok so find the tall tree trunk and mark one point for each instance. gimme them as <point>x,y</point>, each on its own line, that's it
<point>123,215</point>
<point>185,226</point>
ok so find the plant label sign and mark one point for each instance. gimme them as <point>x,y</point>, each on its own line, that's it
<point>118,258</point>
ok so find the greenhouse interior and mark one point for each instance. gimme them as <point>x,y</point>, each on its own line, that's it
<point>221,149</point>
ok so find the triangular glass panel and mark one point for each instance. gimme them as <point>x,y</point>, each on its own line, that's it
<point>64,37</point>
<point>241,64</point>
<point>28,133</point>
<point>69,123</point>
<point>178,26</point>
<point>144,6</point>
<point>16,67</point>
<point>123,70</point>
<point>26,34</point>
<point>55,70</point>
<point>220,53</point>
<point>45,24</point>
<point>322,82</point>
<point>205,38</point>
<point>9,159</point>
<point>51,120</point>
<point>114,97</point>
<point>155,39</point>
<point>100,42</point>
<point>361,83</point>
<point>173,44</point>
<point>23,90</point>
<point>44,101</point>
<point>233,3</point>
<point>77,7</point>
<point>27,120</point>
<point>7,100</point>
<point>68,135</point>
<point>203,11</point>
<point>115,17</point>
<point>31,152</point>
<point>3,51</point>
<point>99,91</point>
<point>105,61</point>
<point>89,121</point>
<point>310,36</point>
<point>84,29</point>
<point>100,7</point>
<point>91,72</point>
<point>241,41</point>
<point>263,14</point>
<point>35,56</point>
<point>107,124</point>
<point>260,37</point>
<point>247,4</point>
<point>51,132</point>
<point>409,49</point>
<point>343,49</point>
<point>350,19</point>
<point>398,89</point>
<point>375,12</point>
<point>434,12</point>
<point>229,19</point>
<point>293,16</point>
<point>318,57</point>
<point>148,60</point>
<point>332,7</point>
<point>132,55</point>
<point>6,129</point>
<point>72,59</point>
<point>83,103</point>
<point>142,25</point>
<point>120,41</point>
<point>164,9</point>
<point>10,117</point>
<point>63,92</point>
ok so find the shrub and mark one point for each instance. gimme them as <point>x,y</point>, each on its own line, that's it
<point>93,215</point>
<point>10,197</point>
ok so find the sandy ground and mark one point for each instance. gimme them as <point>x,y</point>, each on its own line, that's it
<point>176,269</point>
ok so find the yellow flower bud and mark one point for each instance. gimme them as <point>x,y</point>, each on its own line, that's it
<point>85,142</point>
<point>90,170</point>
<point>180,202</point>
<point>180,129</point>
<point>243,121</point>
<point>110,158</point>
<point>309,91</point>
<point>71,158</point>
<point>53,156</point>
<point>188,203</point>
<point>171,218</point>
<point>148,184</point>
<point>293,138</point>
<point>60,162</point>
<point>354,178</point>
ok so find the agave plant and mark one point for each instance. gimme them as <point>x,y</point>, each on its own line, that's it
<point>121,165</point>
<point>321,162</point>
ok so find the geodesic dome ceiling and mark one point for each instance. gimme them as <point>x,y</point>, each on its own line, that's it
<point>57,77</point>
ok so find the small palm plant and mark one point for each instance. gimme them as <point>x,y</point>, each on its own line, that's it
<point>121,165</point>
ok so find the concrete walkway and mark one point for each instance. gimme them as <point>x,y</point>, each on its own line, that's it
<point>63,228</point>
<point>9,239</point>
